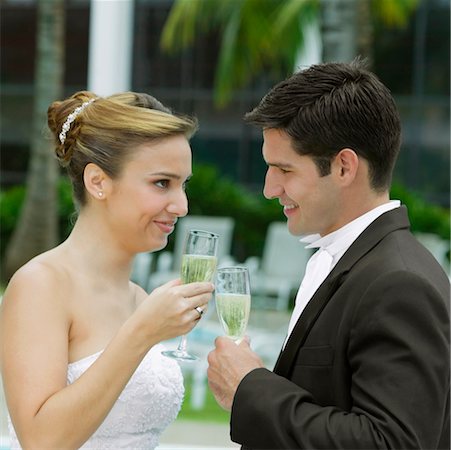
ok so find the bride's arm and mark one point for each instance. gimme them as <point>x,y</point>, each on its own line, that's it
<point>35,326</point>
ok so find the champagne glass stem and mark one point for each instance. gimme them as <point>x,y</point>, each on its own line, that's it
<point>182,344</point>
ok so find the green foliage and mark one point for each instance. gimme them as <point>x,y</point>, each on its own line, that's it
<point>210,193</point>
<point>394,13</point>
<point>256,36</point>
<point>423,216</point>
<point>11,202</point>
<point>66,208</point>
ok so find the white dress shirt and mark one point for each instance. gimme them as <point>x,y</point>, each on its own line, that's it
<point>331,248</point>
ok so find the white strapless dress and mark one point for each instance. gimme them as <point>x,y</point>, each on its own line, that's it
<point>148,404</point>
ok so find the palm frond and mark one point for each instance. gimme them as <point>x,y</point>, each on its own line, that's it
<point>292,18</point>
<point>256,35</point>
<point>228,57</point>
<point>292,11</point>
<point>394,13</point>
<point>186,20</point>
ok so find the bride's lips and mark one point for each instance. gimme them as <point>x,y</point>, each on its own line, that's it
<point>165,226</point>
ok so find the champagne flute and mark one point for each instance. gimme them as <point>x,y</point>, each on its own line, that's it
<point>233,300</point>
<point>198,264</point>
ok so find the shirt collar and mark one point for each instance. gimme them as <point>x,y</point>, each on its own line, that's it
<point>344,236</point>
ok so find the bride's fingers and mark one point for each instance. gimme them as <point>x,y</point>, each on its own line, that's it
<point>201,309</point>
<point>200,301</point>
<point>193,289</point>
<point>198,312</point>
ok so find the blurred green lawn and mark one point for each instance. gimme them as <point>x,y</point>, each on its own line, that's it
<point>211,411</point>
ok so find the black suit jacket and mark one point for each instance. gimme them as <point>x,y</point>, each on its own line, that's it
<point>367,364</point>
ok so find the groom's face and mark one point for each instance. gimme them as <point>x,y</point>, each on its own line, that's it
<point>310,201</point>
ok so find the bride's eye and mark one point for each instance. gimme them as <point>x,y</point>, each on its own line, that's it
<point>162,183</point>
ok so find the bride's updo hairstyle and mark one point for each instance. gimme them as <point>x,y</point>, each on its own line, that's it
<point>105,131</point>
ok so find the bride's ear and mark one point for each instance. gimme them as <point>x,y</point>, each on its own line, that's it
<point>97,182</point>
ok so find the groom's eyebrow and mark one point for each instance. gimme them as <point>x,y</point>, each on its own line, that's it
<point>279,165</point>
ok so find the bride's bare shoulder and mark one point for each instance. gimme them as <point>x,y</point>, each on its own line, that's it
<point>42,277</point>
<point>34,311</point>
<point>49,264</point>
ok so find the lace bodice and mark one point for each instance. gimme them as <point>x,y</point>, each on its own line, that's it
<point>148,404</point>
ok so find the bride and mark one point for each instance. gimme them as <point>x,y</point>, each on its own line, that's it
<point>81,344</point>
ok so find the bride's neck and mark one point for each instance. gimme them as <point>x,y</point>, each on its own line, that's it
<point>92,245</point>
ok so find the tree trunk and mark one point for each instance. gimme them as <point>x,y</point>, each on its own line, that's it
<point>365,31</point>
<point>339,30</point>
<point>37,227</point>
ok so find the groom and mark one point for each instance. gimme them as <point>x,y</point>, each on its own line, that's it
<point>366,359</point>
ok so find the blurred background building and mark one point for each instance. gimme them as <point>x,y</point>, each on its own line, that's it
<point>412,60</point>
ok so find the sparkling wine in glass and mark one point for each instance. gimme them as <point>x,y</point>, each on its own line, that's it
<point>198,264</point>
<point>233,300</point>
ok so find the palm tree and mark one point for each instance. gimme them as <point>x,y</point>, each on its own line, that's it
<point>256,35</point>
<point>267,35</point>
<point>37,229</point>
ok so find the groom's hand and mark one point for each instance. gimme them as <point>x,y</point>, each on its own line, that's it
<point>228,364</point>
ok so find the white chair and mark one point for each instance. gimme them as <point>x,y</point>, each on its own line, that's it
<point>168,265</point>
<point>141,268</point>
<point>277,276</point>
<point>437,246</point>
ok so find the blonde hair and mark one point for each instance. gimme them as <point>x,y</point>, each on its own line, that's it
<point>106,131</point>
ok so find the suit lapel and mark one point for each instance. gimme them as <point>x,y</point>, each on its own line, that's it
<point>305,323</point>
<point>376,231</point>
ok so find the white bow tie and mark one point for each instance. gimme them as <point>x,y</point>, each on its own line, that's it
<point>318,267</point>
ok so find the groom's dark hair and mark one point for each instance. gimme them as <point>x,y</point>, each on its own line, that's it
<point>332,106</point>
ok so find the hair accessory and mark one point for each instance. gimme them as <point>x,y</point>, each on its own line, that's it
<point>71,117</point>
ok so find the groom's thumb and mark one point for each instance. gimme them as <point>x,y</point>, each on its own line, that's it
<point>246,340</point>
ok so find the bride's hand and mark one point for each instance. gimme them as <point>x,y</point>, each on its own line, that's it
<point>169,311</point>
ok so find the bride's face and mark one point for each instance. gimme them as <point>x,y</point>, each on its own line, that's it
<point>149,195</point>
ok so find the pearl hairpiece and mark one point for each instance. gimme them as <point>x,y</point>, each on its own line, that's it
<point>71,117</point>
